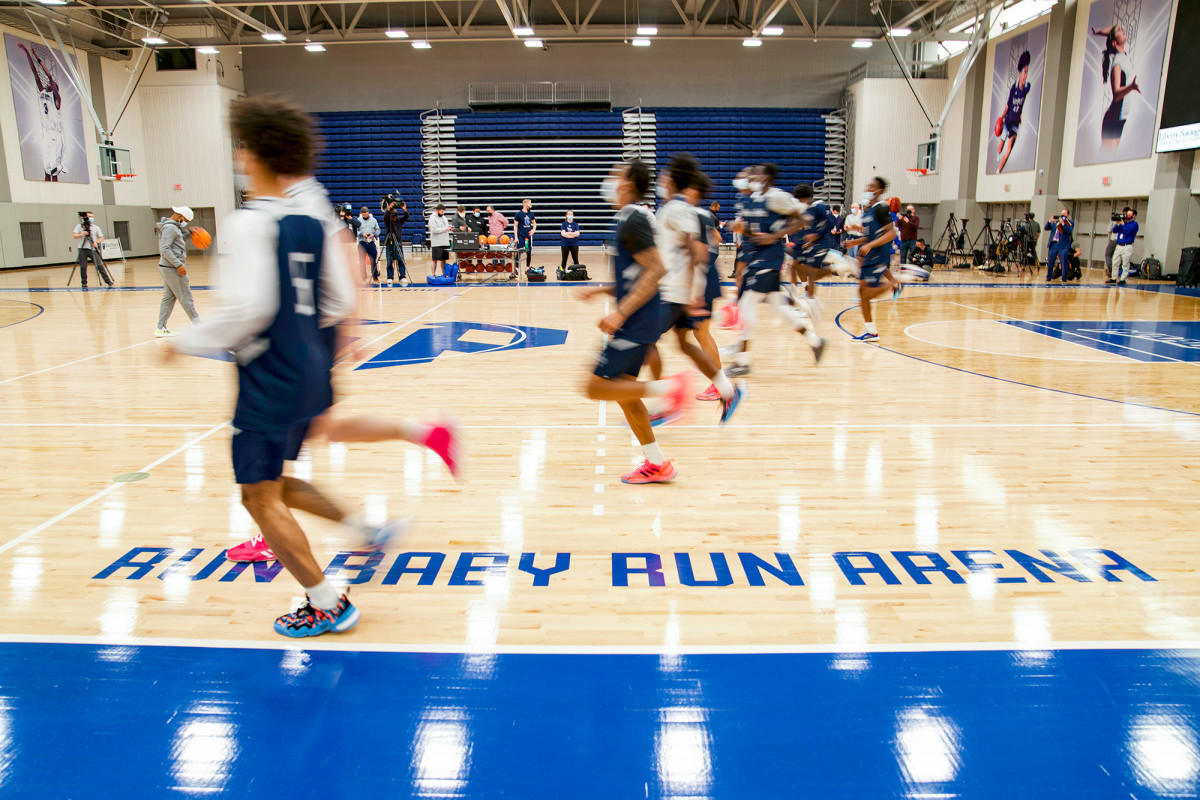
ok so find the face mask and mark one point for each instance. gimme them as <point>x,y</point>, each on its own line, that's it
<point>756,186</point>
<point>477,213</point>
<point>608,190</point>
<point>662,192</point>
<point>570,217</point>
<point>741,184</point>
<point>867,198</point>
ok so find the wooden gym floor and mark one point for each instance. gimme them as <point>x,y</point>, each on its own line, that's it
<point>1010,471</point>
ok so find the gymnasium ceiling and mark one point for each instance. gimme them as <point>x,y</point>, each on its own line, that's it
<point>113,27</point>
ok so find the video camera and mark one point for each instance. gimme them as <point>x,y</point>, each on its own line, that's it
<point>85,222</point>
<point>389,198</point>
<point>1115,217</point>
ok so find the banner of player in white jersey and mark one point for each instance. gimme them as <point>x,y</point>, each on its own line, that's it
<point>1019,63</point>
<point>49,113</point>
<point>1123,52</point>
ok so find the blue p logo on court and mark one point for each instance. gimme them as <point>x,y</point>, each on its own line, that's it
<point>426,344</point>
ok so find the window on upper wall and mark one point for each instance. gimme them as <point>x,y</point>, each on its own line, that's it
<point>33,245</point>
<point>121,231</point>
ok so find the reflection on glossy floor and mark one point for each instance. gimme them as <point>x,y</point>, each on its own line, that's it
<point>1007,471</point>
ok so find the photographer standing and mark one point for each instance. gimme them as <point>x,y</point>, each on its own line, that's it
<point>89,232</point>
<point>393,246</point>
<point>368,233</point>
<point>1059,250</point>
<point>1114,223</point>
<point>1123,255</point>
<point>172,256</point>
<point>910,223</point>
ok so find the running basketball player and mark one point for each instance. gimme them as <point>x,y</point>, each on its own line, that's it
<point>710,234</point>
<point>636,321</point>
<point>875,254</point>
<point>770,215</point>
<point>442,436</point>
<point>281,279</point>
<point>50,105</point>
<point>685,256</point>
<point>819,253</point>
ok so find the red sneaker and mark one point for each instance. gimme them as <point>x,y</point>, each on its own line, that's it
<point>445,440</point>
<point>254,550</point>
<point>710,393</point>
<point>651,473</point>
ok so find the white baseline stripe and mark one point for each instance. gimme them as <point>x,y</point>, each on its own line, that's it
<point>350,646</point>
<point>107,490</point>
<point>77,361</point>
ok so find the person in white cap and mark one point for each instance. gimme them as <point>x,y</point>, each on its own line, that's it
<point>172,258</point>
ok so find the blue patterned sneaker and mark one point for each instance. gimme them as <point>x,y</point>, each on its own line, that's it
<point>310,621</point>
<point>730,405</point>
<point>868,337</point>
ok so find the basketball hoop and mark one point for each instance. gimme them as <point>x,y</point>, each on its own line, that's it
<point>120,176</point>
<point>915,174</point>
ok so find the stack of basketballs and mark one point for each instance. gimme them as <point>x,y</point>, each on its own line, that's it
<point>494,255</point>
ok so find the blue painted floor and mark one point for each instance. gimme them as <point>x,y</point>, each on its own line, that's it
<point>84,721</point>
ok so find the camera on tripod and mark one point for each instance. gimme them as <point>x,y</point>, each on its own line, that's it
<point>85,221</point>
<point>390,198</point>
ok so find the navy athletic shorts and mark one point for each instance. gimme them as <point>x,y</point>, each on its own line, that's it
<point>259,455</point>
<point>872,275</point>
<point>621,358</point>
<point>763,281</point>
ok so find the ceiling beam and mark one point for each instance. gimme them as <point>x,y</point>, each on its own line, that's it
<point>445,19</point>
<point>828,14</point>
<point>471,17</point>
<point>590,14</point>
<point>803,19</point>
<point>357,16</point>
<point>566,20</point>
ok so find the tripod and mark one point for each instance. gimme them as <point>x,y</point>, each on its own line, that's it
<point>954,239</point>
<point>989,246</point>
<point>97,261</point>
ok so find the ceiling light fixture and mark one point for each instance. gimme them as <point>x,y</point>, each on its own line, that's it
<point>314,47</point>
<point>421,44</point>
<point>154,40</point>
<point>396,33</point>
<point>647,30</point>
<point>523,31</point>
<point>861,43</point>
<point>640,42</point>
<point>208,51</point>
<point>773,30</point>
<point>533,42</point>
<point>272,36</point>
<point>900,33</point>
<point>53,2</point>
<point>751,42</point>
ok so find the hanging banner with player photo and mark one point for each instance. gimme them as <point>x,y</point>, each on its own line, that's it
<point>49,113</point>
<point>1122,72</point>
<point>1016,110</point>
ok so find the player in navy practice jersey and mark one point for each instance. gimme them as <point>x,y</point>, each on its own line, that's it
<point>768,217</point>
<point>284,283</point>
<point>819,256</point>
<point>636,321</point>
<point>875,254</point>
<point>1010,120</point>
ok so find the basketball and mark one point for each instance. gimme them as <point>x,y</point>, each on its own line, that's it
<point>1000,126</point>
<point>483,239</point>
<point>201,238</point>
<point>492,240</point>
<point>503,240</point>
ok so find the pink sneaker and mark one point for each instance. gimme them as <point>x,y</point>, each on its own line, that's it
<point>254,550</point>
<point>730,316</point>
<point>710,393</point>
<point>445,440</point>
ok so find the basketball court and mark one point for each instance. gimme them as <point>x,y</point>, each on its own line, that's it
<point>953,563</point>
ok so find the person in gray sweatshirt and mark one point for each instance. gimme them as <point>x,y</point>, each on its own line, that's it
<point>172,259</point>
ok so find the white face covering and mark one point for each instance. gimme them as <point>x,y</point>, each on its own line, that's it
<point>741,184</point>
<point>756,186</point>
<point>570,217</point>
<point>662,192</point>
<point>867,198</point>
<point>608,190</point>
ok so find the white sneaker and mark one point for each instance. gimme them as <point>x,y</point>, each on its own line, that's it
<point>163,333</point>
<point>729,351</point>
<point>814,306</point>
